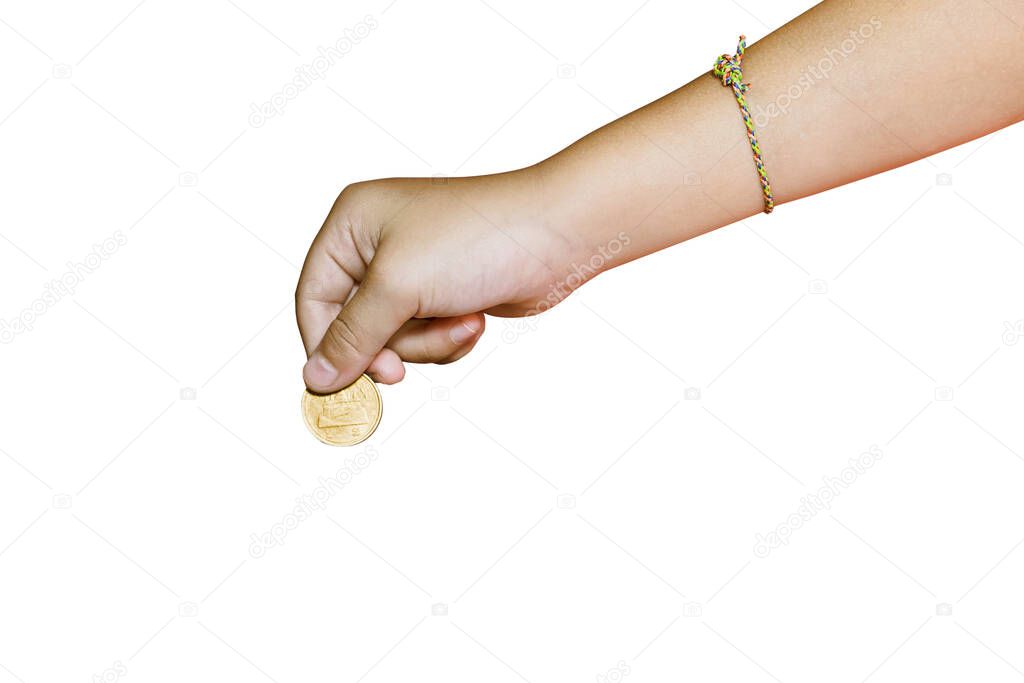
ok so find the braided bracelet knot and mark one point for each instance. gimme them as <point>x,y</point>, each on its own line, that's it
<point>729,68</point>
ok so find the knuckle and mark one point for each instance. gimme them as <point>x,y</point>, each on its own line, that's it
<point>347,205</point>
<point>342,339</point>
<point>348,192</point>
<point>432,349</point>
<point>354,192</point>
<point>309,288</point>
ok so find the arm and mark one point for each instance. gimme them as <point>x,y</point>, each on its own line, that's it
<point>849,89</point>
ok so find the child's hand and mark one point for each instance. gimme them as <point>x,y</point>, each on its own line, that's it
<point>422,260</point>
<point>403,270</point>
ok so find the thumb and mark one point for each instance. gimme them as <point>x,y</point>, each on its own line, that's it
<point>366,322</point>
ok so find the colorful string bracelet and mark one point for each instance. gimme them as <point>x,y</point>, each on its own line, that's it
<point>729,68</point>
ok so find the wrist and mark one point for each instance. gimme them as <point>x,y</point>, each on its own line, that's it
<point>594,205</point>
<point>667,172</point>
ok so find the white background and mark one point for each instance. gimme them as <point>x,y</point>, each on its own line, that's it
<point>882,314</point>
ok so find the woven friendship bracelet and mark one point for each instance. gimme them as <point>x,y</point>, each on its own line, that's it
<point>729,68</point>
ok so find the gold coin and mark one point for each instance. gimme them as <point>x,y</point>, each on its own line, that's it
<point>347,416</point>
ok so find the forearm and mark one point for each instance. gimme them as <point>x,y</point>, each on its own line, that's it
<point>849,89</point>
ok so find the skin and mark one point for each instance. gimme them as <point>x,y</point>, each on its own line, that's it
<point>404,269</point>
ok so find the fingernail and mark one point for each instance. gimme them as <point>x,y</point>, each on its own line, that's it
<point>318,372</point>
<point>461,333</point>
